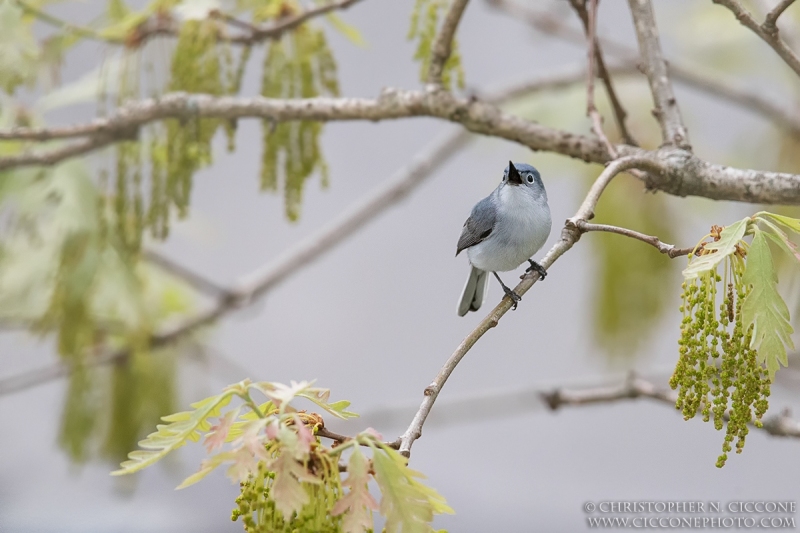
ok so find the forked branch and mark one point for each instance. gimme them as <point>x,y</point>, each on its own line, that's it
<point>768,33</point>
<point>673,131</point>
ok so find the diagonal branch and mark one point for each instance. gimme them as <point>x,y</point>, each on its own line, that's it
<point>443,44</point>
<point>673,131</point>
<point>769,34</point>
<point>569,236</point>
<point>199,282</point>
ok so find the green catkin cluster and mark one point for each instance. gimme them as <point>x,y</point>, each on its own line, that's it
<point>197,67</point>
<point>128,203</point>
<point>235,77</point>
<point>424,23</point>
<point>257,510</point>
<point>300,65</point>
<point>717,374</point>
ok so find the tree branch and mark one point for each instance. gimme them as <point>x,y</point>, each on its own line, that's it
<point>772,17</point>
<point>256,284</point>
<point>681,173</point>
<point>664,248</point>
<point>712,85</point>
<point>569,236</point>
<point>165,26</point>
<point>512,403</point>
<point>673,131</point>
<point>199,282</point>
<point>768,35</point>
<point>595,57</point>
<point>634,387</point>
<point>282,26</point>
<point>443,44</point>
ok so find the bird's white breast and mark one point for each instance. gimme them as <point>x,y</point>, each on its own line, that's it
<point>521,229</point>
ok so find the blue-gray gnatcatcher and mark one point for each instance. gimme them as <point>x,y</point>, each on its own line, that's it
<point>503,231</point>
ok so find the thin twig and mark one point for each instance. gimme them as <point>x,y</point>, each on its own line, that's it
<point>772,38</point>
<point>664,248</point>
<point>772,17</point>
<point>592,55</point>
<point>595,58</point>
<point>443,44</point>
<point>714,86</point>
<point>289,23</point>
<point>673,131</point>
<point>569,236</point>
<point>328,434</point>
<point>161,26</point>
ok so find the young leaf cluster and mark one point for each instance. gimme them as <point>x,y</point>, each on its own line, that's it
<point>290,481</point>
<point>424,23</point>
<point>735,328</point>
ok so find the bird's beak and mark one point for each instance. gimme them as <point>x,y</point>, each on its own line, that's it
<point>513,175</point>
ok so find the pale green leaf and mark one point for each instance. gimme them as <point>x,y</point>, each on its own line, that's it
<point>182,428</point>
<point>338,409</point>
<point>267,408</point>
<point>779,237</point>
<point>716,252</point>
<point>282,394</point>
<point>764,309</point>
<point>408,505</point>
<point>117,10</point>
<point>791,223</point>
<point>287,489</point>
<point>206,467</point>
<point>357,505</point>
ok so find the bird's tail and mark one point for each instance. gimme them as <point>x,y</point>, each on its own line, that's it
<point>474,291</point>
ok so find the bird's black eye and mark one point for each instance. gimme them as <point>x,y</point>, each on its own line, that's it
<point>530,178</point>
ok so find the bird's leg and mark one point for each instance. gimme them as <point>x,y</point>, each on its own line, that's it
<point>537,267</point>
<point>510,293</point>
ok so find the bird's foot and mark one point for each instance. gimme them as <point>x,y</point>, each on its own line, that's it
<point>537,267</point>
<point>515,298</point>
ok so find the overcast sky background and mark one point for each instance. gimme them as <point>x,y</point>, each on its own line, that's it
<point>375,319</point>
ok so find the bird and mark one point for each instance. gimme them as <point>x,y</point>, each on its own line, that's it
<point>504,230</point>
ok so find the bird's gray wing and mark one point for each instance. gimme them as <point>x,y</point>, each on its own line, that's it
<point>478,226</point>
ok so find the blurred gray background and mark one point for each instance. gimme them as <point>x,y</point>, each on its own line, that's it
<point>374,319</point>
